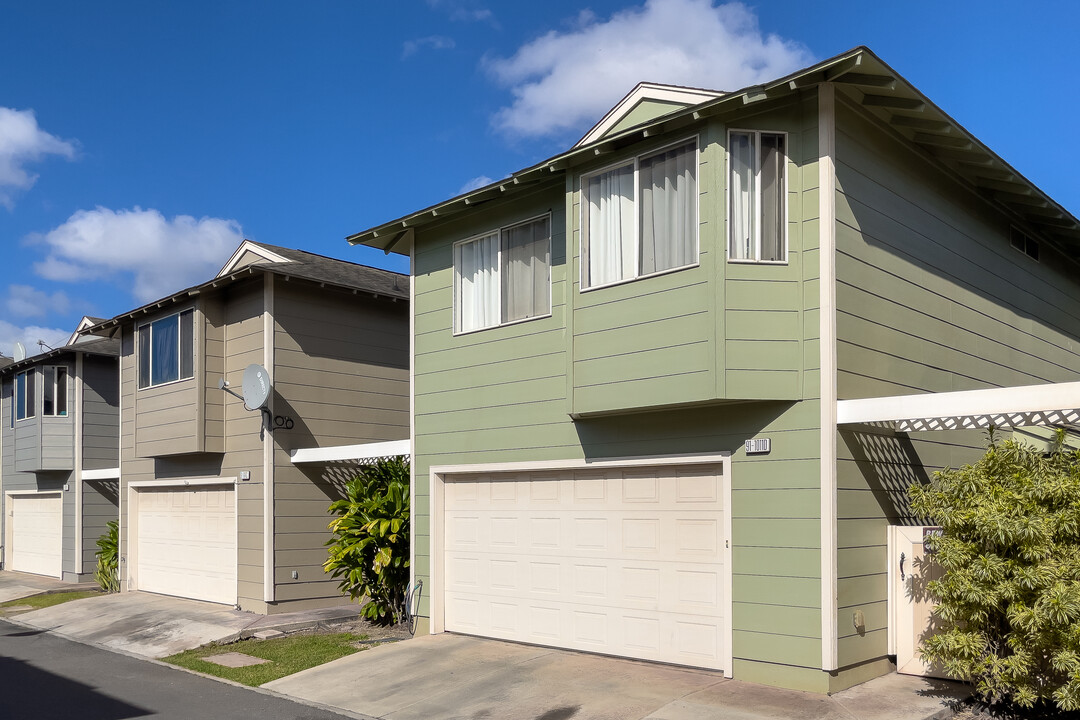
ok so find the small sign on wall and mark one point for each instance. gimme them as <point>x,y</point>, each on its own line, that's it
<point>758,446</point>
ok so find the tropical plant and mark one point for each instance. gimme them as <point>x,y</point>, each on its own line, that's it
<point>107,572</point>
<point>370,548</point>
<point>1008,601</point>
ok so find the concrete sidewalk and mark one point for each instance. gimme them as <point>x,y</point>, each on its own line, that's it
<point>17,585</point>
<point>156,626</point>
<point>439,677</point>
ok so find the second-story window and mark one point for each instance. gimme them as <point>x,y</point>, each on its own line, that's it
<point>24,395</point>
<point>503,276</point>
<point>757,217</point>
<point>641,217</point>
<point>167,350</point>
<point>54,390</point>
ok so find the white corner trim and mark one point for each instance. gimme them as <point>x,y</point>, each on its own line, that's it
<point>106,474</point>
<point>269,588</point>
<point>963,403</point>
<point>828,364</point>
<point>248,246</point>
<point>79,427</point>
<point>362,451</point>
<point>646,91</point>
<point>413,529</point>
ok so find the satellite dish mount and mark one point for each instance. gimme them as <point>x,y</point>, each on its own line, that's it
<point>256,390</point>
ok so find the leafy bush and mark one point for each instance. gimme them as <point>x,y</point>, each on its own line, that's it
<point>1009,596</point>
<point>107,572</point>
<point>370,548</point>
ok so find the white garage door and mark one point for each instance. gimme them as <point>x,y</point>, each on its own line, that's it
<point>624,562</point>
<point>36,532</point>
<point>187,543</point>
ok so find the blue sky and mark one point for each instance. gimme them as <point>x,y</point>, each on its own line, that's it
<point>139,142</point>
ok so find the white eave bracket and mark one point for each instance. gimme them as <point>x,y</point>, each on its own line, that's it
<point>1021,406</point>
<point>362,453</point>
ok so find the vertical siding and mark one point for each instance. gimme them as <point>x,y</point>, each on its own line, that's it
<point>100,412</point>
<point>341,375</point>
<point>931,298</point>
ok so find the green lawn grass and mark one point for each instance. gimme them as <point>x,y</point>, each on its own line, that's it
<point>48,600</point>
<point>287,655</point>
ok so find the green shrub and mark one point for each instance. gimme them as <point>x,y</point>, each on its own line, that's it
<point>107,572</point>
<point>1009,597</point>
<point>370,548</point>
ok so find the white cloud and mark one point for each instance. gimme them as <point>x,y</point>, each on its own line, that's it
<point>566,81</point>
<point>25,301</point>
<point>475,184</point>
<point>435,42</point>
<point>29,336</point>
<point>161,256</point>
<point>22,142</point>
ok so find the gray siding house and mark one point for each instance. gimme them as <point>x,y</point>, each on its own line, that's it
<point>671,385</point>
<point>228,503</point>
<point>60,465</point>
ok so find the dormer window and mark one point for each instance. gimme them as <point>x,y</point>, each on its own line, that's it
<point>24,395</point>
<point>641,217</point>
<point>167,350</point>
<point>54,390</point>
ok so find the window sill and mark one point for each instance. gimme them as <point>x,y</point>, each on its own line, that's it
<point>166,384</point>
<point>736,261</point>
<point>669,271</point>
<point>459,333</point>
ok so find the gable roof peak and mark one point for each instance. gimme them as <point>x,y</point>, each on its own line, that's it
<point>679,97</point>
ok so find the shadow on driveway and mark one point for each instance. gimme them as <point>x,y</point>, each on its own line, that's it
<point>36,693</point>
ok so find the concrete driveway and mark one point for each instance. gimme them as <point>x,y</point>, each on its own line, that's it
<point>17,585</point>
<point>156,626</point>
<point>439,677</point>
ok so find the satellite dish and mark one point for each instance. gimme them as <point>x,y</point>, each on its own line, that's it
<point>256,386</point>
<point>20,352</point>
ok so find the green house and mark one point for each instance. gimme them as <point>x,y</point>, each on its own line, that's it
<point>659,380</point>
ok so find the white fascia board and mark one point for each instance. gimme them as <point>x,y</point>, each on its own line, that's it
<point>248,246</point>
<point>963,403</point>
<point>646,91</point>
<point>363,451</point>
<point>106,474</point>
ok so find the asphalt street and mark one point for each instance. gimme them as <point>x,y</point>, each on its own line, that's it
<point>44,677</point>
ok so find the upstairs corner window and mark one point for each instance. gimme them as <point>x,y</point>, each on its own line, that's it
<point>640,218</point>
<point>503,277</point>
<point>167,350</point>
<point>758,205</point>
<point>54,390</point>
<point>24,395</point>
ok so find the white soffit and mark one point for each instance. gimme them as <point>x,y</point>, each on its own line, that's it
<point>647,91</point>
<point>363,451</point>
<point>106,474</point>
<point>1021,406</point>
<point>249,247</point>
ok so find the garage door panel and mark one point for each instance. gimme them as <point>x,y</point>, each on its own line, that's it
<point>623,562</point>
<point>187,543</point>
<point>37,534</point>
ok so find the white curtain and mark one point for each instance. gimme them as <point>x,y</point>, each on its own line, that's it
<point>478,283</point>
<point>526,284</point>
<point>668,191</point>
<point>772,198</point>
<point>610,230</point>
<point>743,196</point>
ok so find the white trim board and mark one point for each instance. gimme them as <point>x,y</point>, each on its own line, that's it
<point>248,246</point>
<point>362,451</point>
<point>647,91</point>
<point>965,408</point>
<point>182,482</point>
<point>106,474</point>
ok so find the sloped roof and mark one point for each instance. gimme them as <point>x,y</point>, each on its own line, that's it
<point>94,346</point>
<point>296,264</point>
<point>861,78</point>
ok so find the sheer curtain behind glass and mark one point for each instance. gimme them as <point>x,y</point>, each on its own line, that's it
<point>610,228</point>
<point>743,197</point>
<point>477,277</point>
<point>668,187</point>
<point>165,356</point>
<point>772,198</point>
<point>526,288</point>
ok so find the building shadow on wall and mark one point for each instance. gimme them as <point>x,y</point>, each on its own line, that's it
<point>889,464</point>
<point>108,489</point>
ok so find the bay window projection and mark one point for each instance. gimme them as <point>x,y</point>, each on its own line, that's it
<point>503,276</point>
<point>641,218</point>
<point>166,350</point>
<point>54,390</point>
<point>757,216</point>
<point>24,395</point>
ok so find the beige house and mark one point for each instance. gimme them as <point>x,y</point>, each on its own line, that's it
<point>227,503</point>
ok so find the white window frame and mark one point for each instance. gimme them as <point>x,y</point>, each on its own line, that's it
<point>55,389</point>
<point>498,233</point>
<point>28,399</point>
<point>583,211</point>
<point>727,199</point>
<point>179,351</point>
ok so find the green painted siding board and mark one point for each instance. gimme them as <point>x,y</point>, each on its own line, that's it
<point>778,561</point>
<point>762,325</point>
<point>669,332</point>
<point>675,359</point>
<point>789,503</point>
<point>798,532</point>
<point>767,384</point>
<point>776,620</point>
<point>776,591</point>
<point>746,294</point>
<point>644,111</point>
<point>861,589</point>
<point>784,649</point>
<point>642,393</point>
<point>763,354</point>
